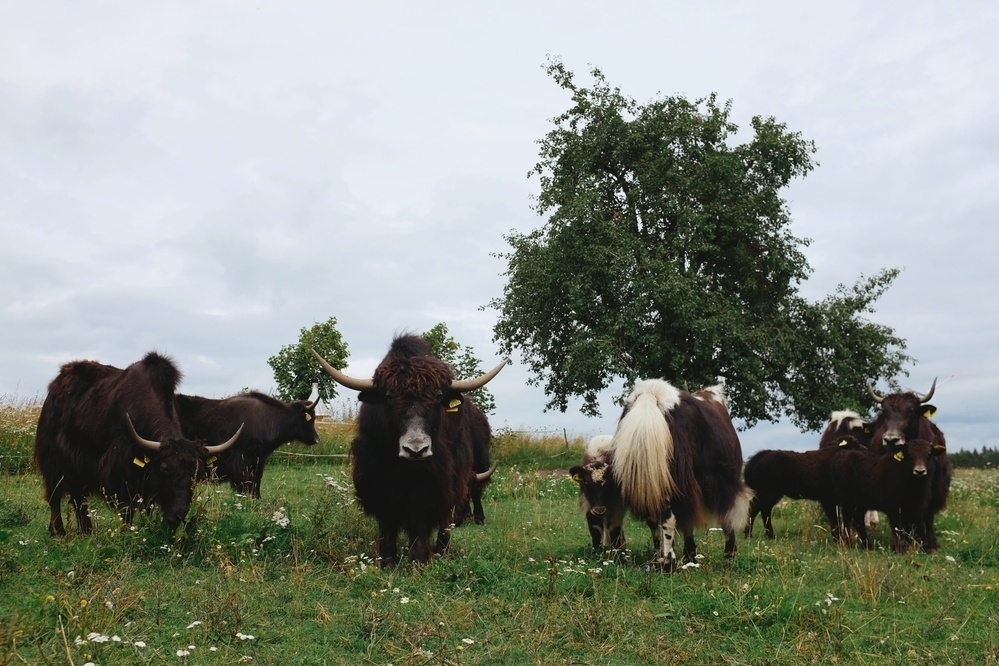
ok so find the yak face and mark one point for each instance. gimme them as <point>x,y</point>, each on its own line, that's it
<point>174,470</point>
<point>596,485</point>
<point>901,415</point>
<point>916,454</point>
<point>303,422</point>
<point>417,396</point>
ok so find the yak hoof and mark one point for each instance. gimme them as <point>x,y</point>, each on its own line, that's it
<point>663,565</point>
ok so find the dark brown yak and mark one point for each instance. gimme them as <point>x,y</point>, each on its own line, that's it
<point>678,461</point>
<point>905,416</point>
<point>87,441</point>
<point>269,423</point>
<point>412,454</point>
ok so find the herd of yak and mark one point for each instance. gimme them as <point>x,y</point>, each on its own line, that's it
<point>420,456</point>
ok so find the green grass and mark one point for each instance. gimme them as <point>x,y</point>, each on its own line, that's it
<point>523,589</point>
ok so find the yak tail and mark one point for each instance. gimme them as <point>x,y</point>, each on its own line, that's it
<point>643,457</point>
<point>738,514</point>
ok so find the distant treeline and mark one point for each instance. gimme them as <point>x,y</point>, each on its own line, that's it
<point>986,458</point>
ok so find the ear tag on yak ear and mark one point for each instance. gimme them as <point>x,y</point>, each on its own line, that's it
<point>899,455</point>
<point>453,405</point>
<point>929,412</point>
<point>140,462</point>
<point>843,442</point>
<point>939,447</point>
<point>210,462</point>
<point>577,478</point>
<point>308,416</point>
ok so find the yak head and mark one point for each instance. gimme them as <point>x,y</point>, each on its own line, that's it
<point>303,421</point>
<point>900,416</point>
<point>596,485</point>
<point>417,390</point>
<point>915,454</point>
<point>170,468</point>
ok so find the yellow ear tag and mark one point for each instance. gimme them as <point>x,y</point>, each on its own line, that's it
<point>577,478</point>
<point>308,417</point>
<point>939,447</point>
<point>140,462</point>
<point>928,413</point>
<point>843,442</point>
<point>453,405</point>
<point>899,455</point>
<point>211,461</point>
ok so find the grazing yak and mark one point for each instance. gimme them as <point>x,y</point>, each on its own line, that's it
<point>88,441</point>
<point>773,475</point>
<point>678,462</point>
<point>412,453</point>
<point>905,416</point>
<point>269,423</point>
<point>482,436</point>
<point>847,423</point>
<point>899,484</point>
<point>599,495</point>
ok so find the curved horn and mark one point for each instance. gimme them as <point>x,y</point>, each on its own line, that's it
<point>144,443</point>
<point>465,385</point>
<point>342,379</point>
<point>482,476</point>
<point>933,387</point>
<point>870,389</point>
<point>219,448</point>
<point>312,405</point>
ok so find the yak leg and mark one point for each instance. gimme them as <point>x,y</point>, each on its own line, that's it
<point>388,553</point>
<point>595,524</point>
<point>477,513</point>
<point>663,533</point>
<point>56,527</point>
<point>443,540</point>
<point>614,527</point>
<point>730,545</point>
<point>689,547</point>
<point>79,502</point>
<point>871,519</point>
<point>258,476</point>
<point>419,548</point>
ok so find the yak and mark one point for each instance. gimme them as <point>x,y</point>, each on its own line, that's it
<point>412,453</point>
<point>269,423</point>
<point>88,442</point>
<point>678,462</point>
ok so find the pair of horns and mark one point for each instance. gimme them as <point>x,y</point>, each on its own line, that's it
<point>155,446</point>
<point>460,385</point>
<point>879,398</point>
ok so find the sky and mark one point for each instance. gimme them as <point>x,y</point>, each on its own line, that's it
<point>206,179</point>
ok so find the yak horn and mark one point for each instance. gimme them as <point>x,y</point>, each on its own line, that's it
<point>870,389</point>
<point>219,448</point>
<point>465,385</point>
<point>342,379</point>
<point>933,387</point>
<point>482,476</point>
<point>144,443</point>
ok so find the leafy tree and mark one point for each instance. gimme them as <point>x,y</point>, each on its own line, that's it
<point>296,369</point>
<point>462,361</point>
<point>667,252</point>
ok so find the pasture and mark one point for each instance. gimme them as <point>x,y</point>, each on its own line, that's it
<point>290,579</point>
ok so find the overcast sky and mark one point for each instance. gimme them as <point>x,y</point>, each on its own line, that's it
<point>206,179</point>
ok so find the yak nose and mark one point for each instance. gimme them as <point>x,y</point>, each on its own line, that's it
<point>893,440</point>
<point>415,444</point>
<point>598,510</point>
<point>919,471</point>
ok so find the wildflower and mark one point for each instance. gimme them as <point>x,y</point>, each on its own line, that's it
<point>280,517</point>
<point>244,637</point>
<point>950,558</point>
<point>183,653</point>
<point>97,638</point>
<point>467,641</point>
<point>139,644</point>
<point>404,600</point>
<point>194,624</point>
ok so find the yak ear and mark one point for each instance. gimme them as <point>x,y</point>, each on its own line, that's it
<point>929,411</point>
<point>452,400</point>
<point>371,397</point>
<point>576,473</point>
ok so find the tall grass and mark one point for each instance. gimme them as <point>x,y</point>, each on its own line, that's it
<point>290,579</point>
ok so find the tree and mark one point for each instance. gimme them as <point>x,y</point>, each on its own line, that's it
<point>463,363</point>
<point>296,369</point>
<point>667,252</point>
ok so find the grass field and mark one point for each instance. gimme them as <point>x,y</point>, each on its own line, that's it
<point>289,579</point>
